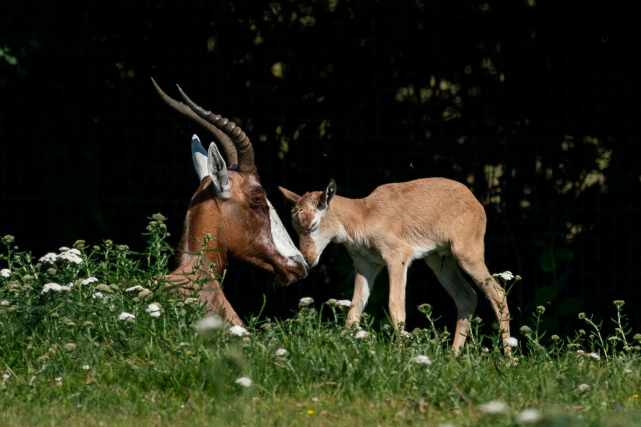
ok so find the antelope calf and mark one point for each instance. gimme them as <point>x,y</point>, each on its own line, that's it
<point>434,219</point>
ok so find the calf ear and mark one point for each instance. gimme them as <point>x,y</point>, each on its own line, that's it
<point>290,195</point>
<point>327,195</point>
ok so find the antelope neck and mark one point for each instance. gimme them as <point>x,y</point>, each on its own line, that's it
<point>347,217</point>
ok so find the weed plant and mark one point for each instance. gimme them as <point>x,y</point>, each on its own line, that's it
<point>92,335</point>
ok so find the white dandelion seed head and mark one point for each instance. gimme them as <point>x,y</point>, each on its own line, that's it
<point>305,302</point>
<point>134,288</point>
<point>361,335</point>
<point>583,387</point>
<point>88,280</point>
<point>421,360</point>
<point>54,287</point>
<point>506,275</point>
<point>71,257</point>
<point>124,316</point>
<point>529,416</point>
<point>239,331</point>
<point>5,303</point>
<point>49,258</point>
<point>244,381</point>
<point>208,323</point>
<point>345,303</point>
<point>595,356</point>
<point>5,272</point>
<point>86,367</point>
<point>512,342</point>
<point>281,352</point>
<point>494,407</point>
<point>97,295</point>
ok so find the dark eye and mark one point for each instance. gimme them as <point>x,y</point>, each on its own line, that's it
<point>257,200</point>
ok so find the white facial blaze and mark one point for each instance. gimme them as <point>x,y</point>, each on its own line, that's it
<point>282,241</point>
<point>319,241</point>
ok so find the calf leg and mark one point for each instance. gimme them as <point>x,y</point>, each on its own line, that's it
<point>451,277</point>
<point>366,273</point>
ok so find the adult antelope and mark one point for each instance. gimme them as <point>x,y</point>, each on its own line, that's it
<point>231,205</point>
<point>435,219</point>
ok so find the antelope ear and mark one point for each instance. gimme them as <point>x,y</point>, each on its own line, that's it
<point>217,170</point>
<point>290,195</point>
<point>327,195</point>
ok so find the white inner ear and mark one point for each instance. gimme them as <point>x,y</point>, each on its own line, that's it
<point>282,241</point>
<point>199,156</point>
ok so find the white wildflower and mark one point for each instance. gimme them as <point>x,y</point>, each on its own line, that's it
<point>86,367</point>
<point>239,331</point>
<point>494,407</point>
<point>421,360</point>
<point>155,314</point>
<point>485,350</point>
<point>191,300</point>
<point>153,308</point>
<point>75,251</point>
<point>625,371</point>
<point>345,303</point>
<point>134,288</point>
<point>5,303</point>
<point>6,376</point>
<point>315,399</point>
<point>59,381</point>
<point>281,352</point>
<point>208,323</point>
<point>305,302</point>
<point>244,381</point>
<point>360,335</point>
<point>88,280</point>
<point>54,287</point>
<point>49,258</point>
<point>406,334</point>
<point>529,416</point>
<point>506,275</point>
<point>97,295</point>
<point>583,387</point>
<point>71,257</point>
<point>594,356</point>
<point>125,316</point>
<point>63,249</point>
<point>5,272</point>
<point>580,351</point>
<point>512,342</point>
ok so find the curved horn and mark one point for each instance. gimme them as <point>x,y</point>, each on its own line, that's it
<point>235,133</point>
<point>220,136</point>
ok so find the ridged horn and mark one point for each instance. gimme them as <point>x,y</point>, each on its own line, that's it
<point>235,133</point>
<point>220,135</point>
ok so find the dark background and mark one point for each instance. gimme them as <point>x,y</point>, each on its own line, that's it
<point>533,104</point>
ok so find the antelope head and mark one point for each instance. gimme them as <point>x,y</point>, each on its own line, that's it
<point>313,221</point>
<point>230,202</point>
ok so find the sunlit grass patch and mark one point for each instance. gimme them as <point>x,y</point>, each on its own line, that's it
<point>111,344</point>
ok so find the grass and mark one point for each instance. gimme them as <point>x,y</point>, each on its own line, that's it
<point>67,359</point>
